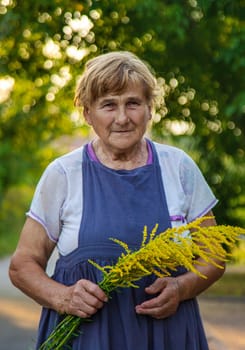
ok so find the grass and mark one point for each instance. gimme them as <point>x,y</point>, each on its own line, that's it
<point>232,284</point>
<point>233,281</point>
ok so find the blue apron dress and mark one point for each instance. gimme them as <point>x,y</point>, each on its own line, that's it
<point>118,204</point>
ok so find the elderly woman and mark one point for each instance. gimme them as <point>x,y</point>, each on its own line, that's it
<point>113,187</point>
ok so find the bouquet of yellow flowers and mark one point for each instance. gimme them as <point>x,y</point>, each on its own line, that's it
<point>159,254</point>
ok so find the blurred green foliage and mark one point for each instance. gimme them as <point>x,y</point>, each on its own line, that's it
<point>12,216</point>
<point>196,48</point>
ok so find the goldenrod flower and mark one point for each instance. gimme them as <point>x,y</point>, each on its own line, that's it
<point>159,254</point>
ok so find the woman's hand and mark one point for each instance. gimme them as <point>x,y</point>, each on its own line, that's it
<point>166,301</point>
<point>85,299</point>
<point>28,272</point>
<point>170,291</point>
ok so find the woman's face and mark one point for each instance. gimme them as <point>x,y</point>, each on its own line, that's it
<point>120,121</point>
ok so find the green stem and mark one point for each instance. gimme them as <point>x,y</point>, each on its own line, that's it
<point>76,323</point>
<point>60,333</point>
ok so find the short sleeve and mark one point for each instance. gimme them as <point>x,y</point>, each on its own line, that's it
<point>199,197</point>
<point>48,200</point>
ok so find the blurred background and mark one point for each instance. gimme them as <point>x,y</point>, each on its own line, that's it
<point>196,49</point>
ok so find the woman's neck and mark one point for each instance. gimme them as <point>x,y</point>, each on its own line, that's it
<point>128,159</point>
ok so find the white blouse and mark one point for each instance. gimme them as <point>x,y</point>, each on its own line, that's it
<point>58,200</point>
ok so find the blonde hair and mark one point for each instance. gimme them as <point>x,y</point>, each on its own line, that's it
<point>111,73</point>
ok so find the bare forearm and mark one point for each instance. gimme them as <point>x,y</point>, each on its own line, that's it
<point>34,282</point>
<point>191,285</point>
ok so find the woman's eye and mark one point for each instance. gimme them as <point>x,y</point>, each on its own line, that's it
<point>133,104</point>
<point>109,105</point>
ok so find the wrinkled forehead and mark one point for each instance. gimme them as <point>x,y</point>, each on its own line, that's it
<point>132,83</point>
<point>101,78</point>
<point>131,91</point>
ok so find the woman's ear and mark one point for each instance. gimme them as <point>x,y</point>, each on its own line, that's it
<point>86,114</point>
<point>150,111</point>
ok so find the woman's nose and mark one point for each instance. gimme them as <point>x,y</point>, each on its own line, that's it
<point>121,116</point>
